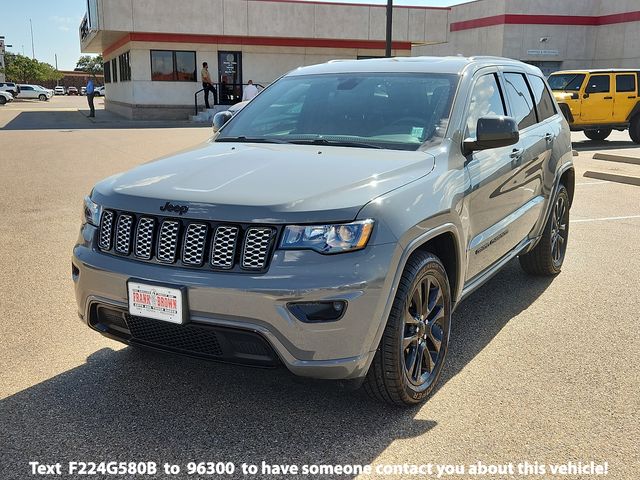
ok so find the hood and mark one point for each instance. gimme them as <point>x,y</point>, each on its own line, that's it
<point>267,183</point>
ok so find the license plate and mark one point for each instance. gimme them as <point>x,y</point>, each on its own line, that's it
<point>157,302</point>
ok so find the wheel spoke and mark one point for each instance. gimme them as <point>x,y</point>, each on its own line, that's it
<point>406,341</point>
<point>417,370</point>
<point>416,300</point>
<point>410,360</point>
<point>409,318</point>
<point>425,288</point>
<point>428,360</point>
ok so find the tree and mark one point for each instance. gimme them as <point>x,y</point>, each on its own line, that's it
<point>21,69</point>
<point>89,64</point>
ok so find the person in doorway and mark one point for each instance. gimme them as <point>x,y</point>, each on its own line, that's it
<point>250,91</point>
<point>208,85</point>
<point>90,90</point>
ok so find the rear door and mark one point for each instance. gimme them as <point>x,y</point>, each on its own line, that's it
<point>597,99</point>
<point>27,91</point>
<point>625,97</point>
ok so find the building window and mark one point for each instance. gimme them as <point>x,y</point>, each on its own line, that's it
<point>125,67</point>
<point>114,70</point>
<point>107,72</point>
<point>173,66</point>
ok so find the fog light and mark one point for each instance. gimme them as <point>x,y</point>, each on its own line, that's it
<point>316,312</point>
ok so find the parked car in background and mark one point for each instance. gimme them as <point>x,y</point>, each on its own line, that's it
<point>99,91</point>
<point>599,101</point>
<point>72,91</point>
<point>5,97</point>
<point>83,90</point>
<point>50,90</point>
<point>336,222</point>
<point>10,87</point>
<point>59,90</point>
<point>34,91</point>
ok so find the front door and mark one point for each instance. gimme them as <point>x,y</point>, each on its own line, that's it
<point>230,77</point>
<point>597,99</point>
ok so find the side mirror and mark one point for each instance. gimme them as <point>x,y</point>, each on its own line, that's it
<point>493,132</point>
<point>220,118</point>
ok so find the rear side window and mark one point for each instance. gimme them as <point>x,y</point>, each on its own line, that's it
<point>626,83</point>
<point>486,99</point>
<point>520,100</point>
<point>542,97</point>
<point>599,84</point>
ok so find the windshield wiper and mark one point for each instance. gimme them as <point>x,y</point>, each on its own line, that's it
<point>335,143</point>
<point>244,139</point>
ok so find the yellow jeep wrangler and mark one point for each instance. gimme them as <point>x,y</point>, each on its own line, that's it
<point>599,101</point>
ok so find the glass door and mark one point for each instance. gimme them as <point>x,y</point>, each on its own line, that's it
<point>230,77</point>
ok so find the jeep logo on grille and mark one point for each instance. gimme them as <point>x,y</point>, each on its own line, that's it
<point>180,209</point>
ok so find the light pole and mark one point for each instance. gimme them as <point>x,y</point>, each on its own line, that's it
<point>387,52</point>
<point>33,51</point>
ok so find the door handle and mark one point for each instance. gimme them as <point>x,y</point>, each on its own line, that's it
<point>516,153</point>
<point>608,98</point>
<point>548,137</point>
<point>631,97</point>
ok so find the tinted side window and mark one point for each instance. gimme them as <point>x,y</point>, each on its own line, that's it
<point>626,83</point>
<point>520,100</point>
<point>544,103</point>
<point>599,84</point>
<point>486,99</point>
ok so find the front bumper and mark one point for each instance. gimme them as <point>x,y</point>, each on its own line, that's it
<point>256,304</point>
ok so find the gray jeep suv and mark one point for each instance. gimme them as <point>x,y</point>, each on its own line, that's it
<point>335,222</point>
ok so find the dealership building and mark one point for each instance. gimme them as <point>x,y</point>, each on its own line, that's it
<point>154,49</point>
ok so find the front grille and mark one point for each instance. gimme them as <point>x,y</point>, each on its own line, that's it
<point>187,243</point>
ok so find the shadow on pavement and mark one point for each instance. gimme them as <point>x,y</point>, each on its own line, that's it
<point>79,120</point>
<point>602,145</point>
<point>135,405</point>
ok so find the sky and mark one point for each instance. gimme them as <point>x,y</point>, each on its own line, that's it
<point>56,24</point>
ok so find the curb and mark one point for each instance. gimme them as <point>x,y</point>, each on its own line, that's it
<point>610,177</point>
<point>616,158</point>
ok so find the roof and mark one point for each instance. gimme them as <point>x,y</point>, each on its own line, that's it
<point>452,64</point>
<point>599,70</point>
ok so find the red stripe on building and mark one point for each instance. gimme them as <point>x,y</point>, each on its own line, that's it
<point>245,40</point>
<point>570,20</point>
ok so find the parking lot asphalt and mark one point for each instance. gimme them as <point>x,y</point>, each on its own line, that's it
<point>539,370</point>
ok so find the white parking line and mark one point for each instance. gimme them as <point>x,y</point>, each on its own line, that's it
<point>604,219</point>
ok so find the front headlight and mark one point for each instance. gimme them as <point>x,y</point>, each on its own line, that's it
<point>345,237</point>
<point>91,212</point>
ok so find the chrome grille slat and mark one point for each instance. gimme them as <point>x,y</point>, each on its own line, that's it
<point>223,247</point>
<point>194,241</point>
<point>144,238</point>
<point>168,241</point>
<point>257,242</point>
<point>106,230</point>
<point>123,234</point>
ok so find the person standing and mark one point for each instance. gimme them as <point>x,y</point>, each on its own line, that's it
<point>90,90</point>
<point>250,91</point>
<point>208,85</point>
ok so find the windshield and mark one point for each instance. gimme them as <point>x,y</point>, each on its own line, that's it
<point>398,111</point>
<point>566,81</point>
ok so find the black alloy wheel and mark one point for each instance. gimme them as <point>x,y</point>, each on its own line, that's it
<point>424,329</point>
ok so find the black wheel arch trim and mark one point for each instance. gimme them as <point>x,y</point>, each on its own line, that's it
<point>566,111</point>
<point>634,112</point>
<point>410,248</point>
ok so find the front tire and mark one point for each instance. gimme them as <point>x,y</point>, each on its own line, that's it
<point>598,134</point>
<point>548,255</point>
<point>42,98</point>
<point>2,100</point>
<point>634,129</point>
<point>412,351</point>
